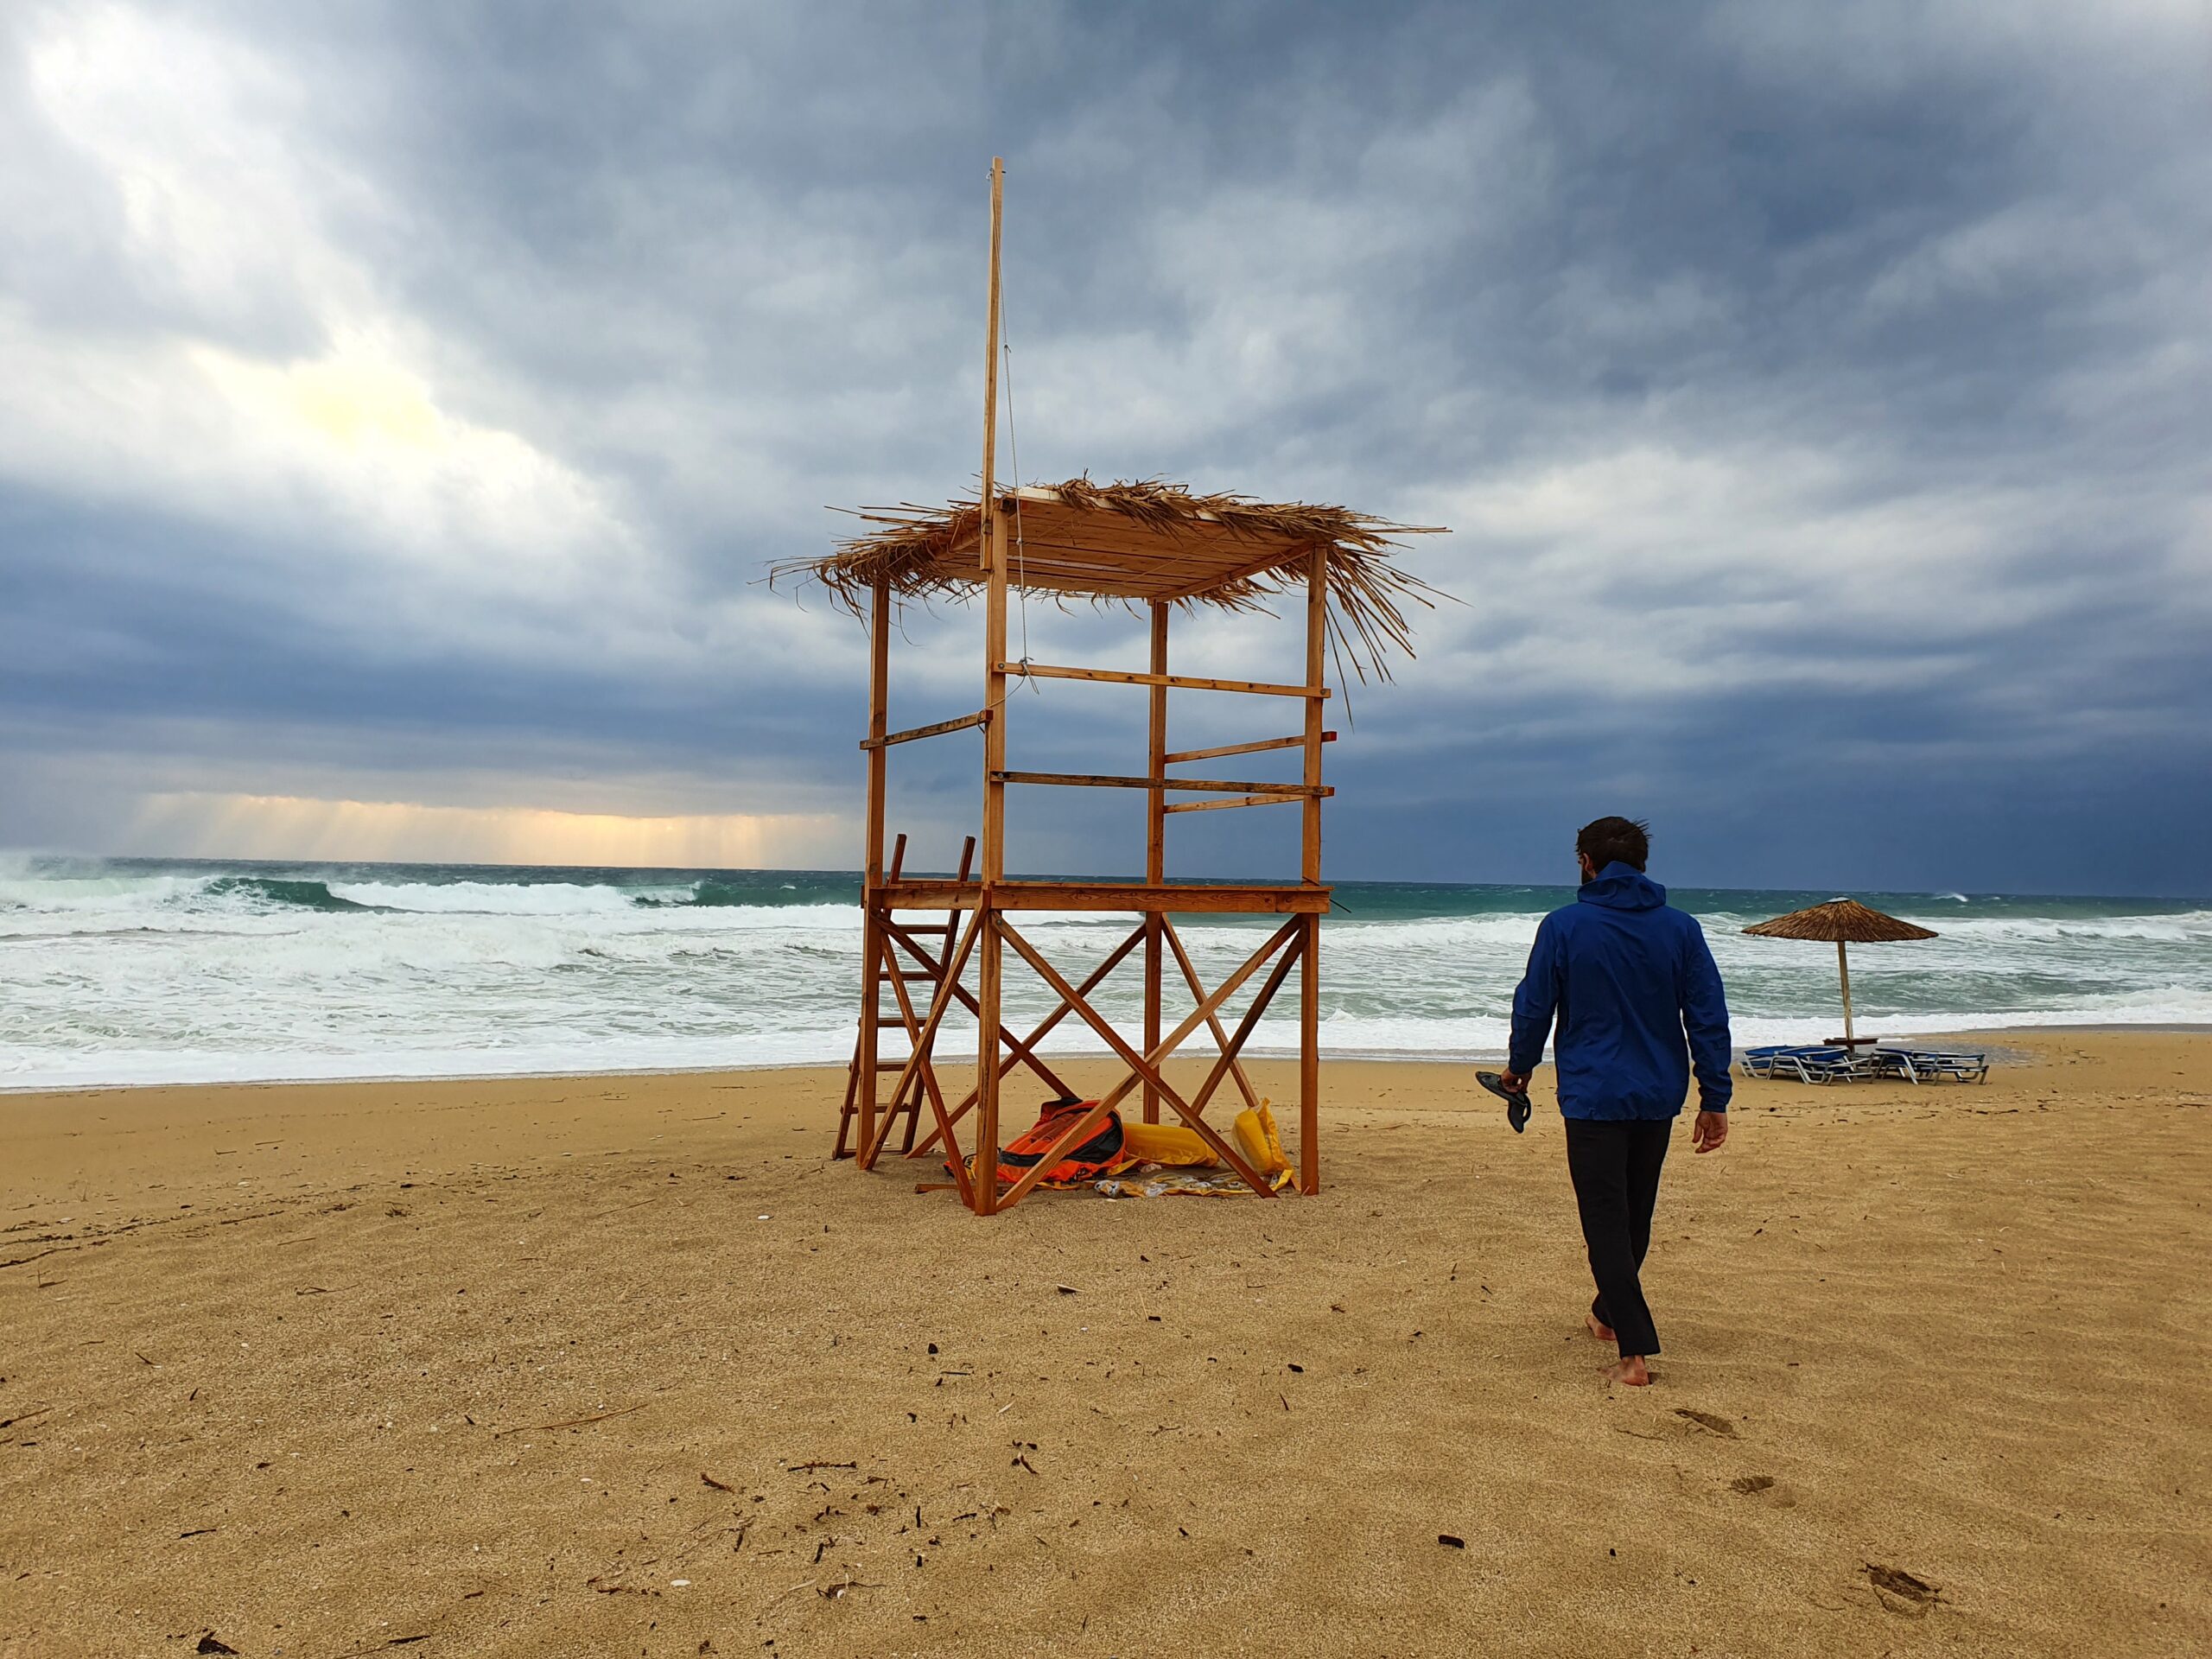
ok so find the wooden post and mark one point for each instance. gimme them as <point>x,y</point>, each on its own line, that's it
<point>989,974</point>
<point>1156,845</point>
<point>1317,641</point>
<point>1843,966</point>
<point>879,718</point>
<point>1309,961</point>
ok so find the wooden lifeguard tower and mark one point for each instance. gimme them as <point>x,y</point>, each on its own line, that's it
<point>1147,545</point>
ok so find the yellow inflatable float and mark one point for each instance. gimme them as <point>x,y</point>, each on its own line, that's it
<point>1178,1147</point>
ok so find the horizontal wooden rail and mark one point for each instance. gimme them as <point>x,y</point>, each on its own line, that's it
<point>1177,682</point>
<point>981,717</point>
<point>934,893</point>
<point>1228,749</point>
<point>1233,800</point>
<point>1209,786</point>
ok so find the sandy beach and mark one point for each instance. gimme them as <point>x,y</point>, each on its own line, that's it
<point>597,1365</point>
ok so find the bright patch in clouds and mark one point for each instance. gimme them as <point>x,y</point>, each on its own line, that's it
<point>239,221</point>
<point>353,398</point>
<point>362,431</point>
<point>232,212</point>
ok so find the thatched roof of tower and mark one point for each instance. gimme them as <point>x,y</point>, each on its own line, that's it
<point>1135,542</point>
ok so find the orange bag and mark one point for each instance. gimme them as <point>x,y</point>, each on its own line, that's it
<point>1100,1154</point>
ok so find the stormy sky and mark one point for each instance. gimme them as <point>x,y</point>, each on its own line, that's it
<point>400,404</point>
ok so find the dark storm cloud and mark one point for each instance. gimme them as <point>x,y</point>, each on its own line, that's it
<point>1818,397</point>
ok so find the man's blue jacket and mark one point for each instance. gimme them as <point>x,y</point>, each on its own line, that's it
<point>1637,1001</point>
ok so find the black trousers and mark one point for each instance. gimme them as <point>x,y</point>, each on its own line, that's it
<point>1616,1171</point>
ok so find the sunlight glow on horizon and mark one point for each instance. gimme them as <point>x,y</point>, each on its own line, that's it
<point>306,830</point>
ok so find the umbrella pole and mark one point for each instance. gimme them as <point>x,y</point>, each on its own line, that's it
<point>1843,969</point>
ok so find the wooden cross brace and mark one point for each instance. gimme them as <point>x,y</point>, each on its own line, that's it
<point>1145,1068</point>
<point>1026,1045</point>
<point>920,1048</point>
<point>922,1039</point>
<point>1021,1050</point>
<point>1198,994</point>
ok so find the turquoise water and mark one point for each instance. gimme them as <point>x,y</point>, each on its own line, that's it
<point>142,970</point>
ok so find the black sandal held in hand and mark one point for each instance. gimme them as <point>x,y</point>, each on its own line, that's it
<point>1516,1100</point>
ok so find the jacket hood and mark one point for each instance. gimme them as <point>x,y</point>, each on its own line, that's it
<point>1622,886</point>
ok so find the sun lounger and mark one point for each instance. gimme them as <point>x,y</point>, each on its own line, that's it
<point>1761,1062</point>
<point>1808,1063</point>
<point>1932,1065</point>
<point>1764,1062</point>
<point>1832,1063</point>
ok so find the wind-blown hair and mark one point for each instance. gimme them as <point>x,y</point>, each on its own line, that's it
<point>1615,840</point>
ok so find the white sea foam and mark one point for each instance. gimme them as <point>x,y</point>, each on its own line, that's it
<point>2183,927</point>
<point>486,898</point>
<point>132,975</point>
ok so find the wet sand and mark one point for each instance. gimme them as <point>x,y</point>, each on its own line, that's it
<point>597,1365</point>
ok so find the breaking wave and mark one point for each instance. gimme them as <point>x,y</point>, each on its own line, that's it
<point>150,971</point>
<point>305,896</point>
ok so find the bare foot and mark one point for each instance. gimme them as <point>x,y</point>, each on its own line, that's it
<point>1603,1332</point>
<point>1629,1370</point>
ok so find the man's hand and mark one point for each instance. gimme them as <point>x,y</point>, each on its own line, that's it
<point>1517,1082</point>
<point>1708,1132</point>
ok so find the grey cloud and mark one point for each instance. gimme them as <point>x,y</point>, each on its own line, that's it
<point>1817,395</point>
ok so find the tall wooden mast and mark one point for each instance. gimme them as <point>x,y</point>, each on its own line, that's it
<point>990,970</point>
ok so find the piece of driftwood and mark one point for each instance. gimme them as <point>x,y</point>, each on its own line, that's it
<point>573,1422</point>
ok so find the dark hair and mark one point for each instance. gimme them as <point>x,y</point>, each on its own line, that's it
<point>1615,840</point>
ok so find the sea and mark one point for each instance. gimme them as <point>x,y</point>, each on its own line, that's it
<point>139,971</point>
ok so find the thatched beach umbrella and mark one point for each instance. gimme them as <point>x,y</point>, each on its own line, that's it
<point>1844,920</point>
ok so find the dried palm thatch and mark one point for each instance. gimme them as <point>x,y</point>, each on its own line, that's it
<point>1135,542</point>
<point>1839,921</point>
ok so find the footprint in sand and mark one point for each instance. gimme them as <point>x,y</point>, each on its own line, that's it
<point>1766,1488</point>
<point>1708,1421</point>
<point>1693,1423</point>
<point>1902,1593</point>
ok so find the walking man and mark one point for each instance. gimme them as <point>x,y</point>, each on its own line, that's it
<point>1638,1005</point>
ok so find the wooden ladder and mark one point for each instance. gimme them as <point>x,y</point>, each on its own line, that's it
<point>911,969</point>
